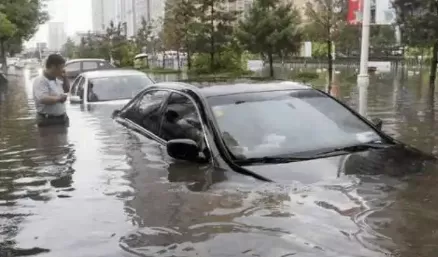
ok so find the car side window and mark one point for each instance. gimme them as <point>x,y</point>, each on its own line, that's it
<point>74,86</point>
<point>73,67</point>
<point>105,65</point>
<point>180,120</point>
<point>145,112</point>
<point>89,65</point>
<point>80,91</point>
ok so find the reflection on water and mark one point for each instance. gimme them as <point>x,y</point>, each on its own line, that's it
<point>97,189</point>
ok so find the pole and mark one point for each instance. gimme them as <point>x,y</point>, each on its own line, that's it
<point>363,77</point>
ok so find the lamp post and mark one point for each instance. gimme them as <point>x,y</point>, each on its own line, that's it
<point>363,78</point>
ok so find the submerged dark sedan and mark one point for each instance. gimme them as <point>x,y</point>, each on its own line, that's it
<point>276,131</point>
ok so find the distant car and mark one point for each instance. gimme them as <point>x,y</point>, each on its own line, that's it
<point>74,67</point>
<point>108,85</point>
<point>276,131</point>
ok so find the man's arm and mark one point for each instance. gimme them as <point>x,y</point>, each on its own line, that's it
<point>65,84</point>
<point>41,92</point>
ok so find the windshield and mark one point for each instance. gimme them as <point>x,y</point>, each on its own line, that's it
<point>278,123</point>
<point>116,88</point>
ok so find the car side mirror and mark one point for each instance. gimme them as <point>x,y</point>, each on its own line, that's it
<point>378,123</point>
<point>115,113</point>
<point>183,149</point>
<point>74,99</point>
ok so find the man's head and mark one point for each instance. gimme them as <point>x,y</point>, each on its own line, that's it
<point>55,65</point>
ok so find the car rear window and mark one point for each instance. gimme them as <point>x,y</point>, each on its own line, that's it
<point>116,87</point>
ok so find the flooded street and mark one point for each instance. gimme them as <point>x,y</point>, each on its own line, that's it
<point>98,189</point>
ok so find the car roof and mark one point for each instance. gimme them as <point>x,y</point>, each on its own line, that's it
<point>85,60</point>
<point>111,73</point>
<point>238,88</point>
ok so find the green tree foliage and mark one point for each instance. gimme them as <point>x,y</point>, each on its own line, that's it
<point>92,46</point>
<point>214,27</point>
<point>69,48</point>
<point>271,27</point>
<point>113,45</point>
<point>143,35</point>
<point>319,50</point>
<point>382,36</point>
<point>179,28</point>
<point>418,20</point>
<point>19,21</point>
<point>115,40</point>
<point>348,40</point>
<point>326,22</point>
<point>157,40</point>
<point>7,28</point>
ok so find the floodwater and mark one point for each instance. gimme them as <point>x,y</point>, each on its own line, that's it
<point>97,189</point>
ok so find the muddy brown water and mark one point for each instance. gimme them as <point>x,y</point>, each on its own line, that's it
<point>97,189</point>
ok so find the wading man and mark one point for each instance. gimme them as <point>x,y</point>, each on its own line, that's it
<point>50,92</point>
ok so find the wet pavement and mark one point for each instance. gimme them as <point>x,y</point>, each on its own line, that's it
<point>97,189</point>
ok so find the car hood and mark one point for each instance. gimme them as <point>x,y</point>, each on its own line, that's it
<point>394,161</point>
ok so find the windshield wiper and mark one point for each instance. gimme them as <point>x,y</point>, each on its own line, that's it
<point>356,148</point>
<point>268,159</point>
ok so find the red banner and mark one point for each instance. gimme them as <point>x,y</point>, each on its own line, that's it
<point>354,15</point>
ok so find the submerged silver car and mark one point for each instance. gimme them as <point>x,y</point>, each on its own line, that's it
<point>104,86</point>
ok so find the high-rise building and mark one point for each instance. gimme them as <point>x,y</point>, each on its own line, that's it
<point>126,15</point>
<point>57,36</point>
<point>151,10</point>
<point>104,11</point>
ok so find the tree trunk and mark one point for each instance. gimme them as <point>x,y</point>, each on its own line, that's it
<point>189,60</point>
<point>433,65</point>
<point>271,65</point>
<point>3,57</point>
<point>212,50</point>
<point>330,61</point>
<point>178,60</point>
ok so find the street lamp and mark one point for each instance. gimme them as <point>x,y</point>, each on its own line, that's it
<point>363,78</point>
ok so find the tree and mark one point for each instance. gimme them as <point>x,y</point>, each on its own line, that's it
<point>326,20</point>
<point>91,46</point>
<point>23,18</point>
<point>143,35</point>
<point>348,40</point>
<point>179,26</point>
<point>7,30</point>
<point>69,48</point>
<point>215,27</point>
<point>115,40</point>
<point>418,20</point>
<point>271,27</point>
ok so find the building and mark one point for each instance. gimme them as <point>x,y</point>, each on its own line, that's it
<point>41,45</point>
<point>77,37</point>
<point>151,10</point>
<point>104,11</point>
<point>126,15</point>
<point>57,36</point>
<point>116,11</point>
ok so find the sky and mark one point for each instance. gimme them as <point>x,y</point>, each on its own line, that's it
<point>76,15</point>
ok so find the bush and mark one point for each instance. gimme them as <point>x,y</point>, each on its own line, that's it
<point>306,76</point>
<point>229,60</point>
<point>319,50</point>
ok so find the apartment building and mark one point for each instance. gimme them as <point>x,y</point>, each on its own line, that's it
<point>151,10</point>
<point>103,12</point>
<point>57,35</point>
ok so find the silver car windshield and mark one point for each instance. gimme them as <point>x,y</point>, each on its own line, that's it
<point>256,125</point>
